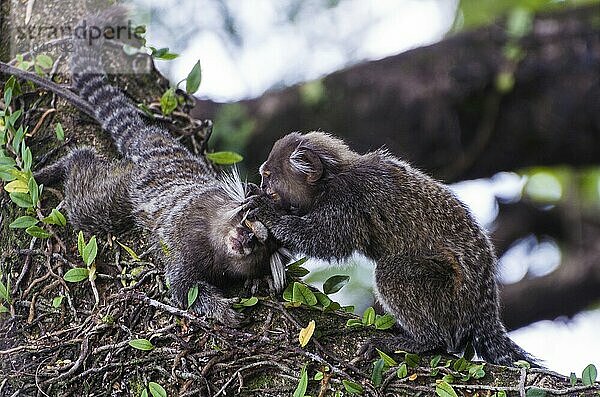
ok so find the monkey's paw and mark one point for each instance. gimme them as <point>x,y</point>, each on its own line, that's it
<point>264,209</point>
<point>221,310</point>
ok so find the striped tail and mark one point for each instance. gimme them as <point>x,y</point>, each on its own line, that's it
<point>112,109</point>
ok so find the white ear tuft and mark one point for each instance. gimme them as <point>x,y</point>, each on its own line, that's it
<point>298,161</point>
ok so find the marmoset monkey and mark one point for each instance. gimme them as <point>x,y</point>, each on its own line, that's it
<point>435,266</point>
<point>193,215</point>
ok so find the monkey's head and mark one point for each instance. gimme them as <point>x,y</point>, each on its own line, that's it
<point>299,166</point>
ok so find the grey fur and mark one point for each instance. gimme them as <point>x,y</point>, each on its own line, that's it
<point>192,215</point>
<point>435,266</point>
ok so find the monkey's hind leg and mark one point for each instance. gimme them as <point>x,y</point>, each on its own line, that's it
<point>421,293</point>
<point>96,190</point>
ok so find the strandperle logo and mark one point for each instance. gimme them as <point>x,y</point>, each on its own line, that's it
<point>38,31</point>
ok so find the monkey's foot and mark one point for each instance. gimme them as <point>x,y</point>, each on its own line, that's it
<point>221,310</point>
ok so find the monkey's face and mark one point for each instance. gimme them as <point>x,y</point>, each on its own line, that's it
<point>246,238</point>
<point>290,174</point>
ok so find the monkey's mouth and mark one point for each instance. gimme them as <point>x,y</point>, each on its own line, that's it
<point>272,194</point>
<point>240,244</point>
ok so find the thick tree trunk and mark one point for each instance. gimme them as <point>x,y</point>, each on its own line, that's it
<point>439,108</point>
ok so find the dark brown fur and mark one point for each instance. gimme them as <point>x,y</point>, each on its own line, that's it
<point>435,266</point>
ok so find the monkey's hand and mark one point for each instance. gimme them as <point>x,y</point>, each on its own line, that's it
<point>264,209</point>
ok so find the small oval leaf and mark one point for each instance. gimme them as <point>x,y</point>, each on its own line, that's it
<point>141,344</point>
<point>369,316</point>
<point>335,283</point>
<point>23,222</point>
<point>588,377</point>
<point>224,158</point>
<point>301,293</point>
<point>352,387</point>
<point>76,275</point>
<point>37,231</point>
<point>192,82</point>
<point>90,251</point>
<point>192,295</point>
<point>156,390</point>
<point>384,322</point>
<point>443,389</point>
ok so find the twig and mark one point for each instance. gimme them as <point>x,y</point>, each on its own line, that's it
<point>59,90</point>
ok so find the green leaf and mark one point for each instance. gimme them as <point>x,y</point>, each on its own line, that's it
<point>144,393</point>
<point>333,306</point>
<point>14,116</point>
<point>130,252</point>
<point>296,270</point>
<point>55,218</point>
<point>354,322</point>
<point>376,376</point>
<point>224,158</point>
<point>3,309</point>
<point>402,371</point>
<point>192,82</point>
<point>60,132</point>
<point>37,231</point>
<point>335,283</point>
<point>535,392</point>
<point>80,243</point>
<point>43,61</point>
<point>323,299</point>
<point>352,387</point>
<point>287,293</point>
<point>192,295</point>
<point>369,316</point>
<point>302,383</point>
<point>319,375</point>
<point>301,293</point>
<point>141,344</point>
<point>461,364</point>
<point>4,292</point>
<point>23,222</point>
<point>156,390</point>
<point>90,251</point>
<point>27,158</point>
<point>34,190</point>
<point>76,275</point>
<point>390,362</point>
<point>443,389</point>
<point>163,54</point>
<point>573,379</point>
<point>435,361</point>
<point>249,302</point>
<point>448,378</point>
<point>588,377</point>
<point>23,200</point>
<point>520,364</point>
<point>384,322</point>
<point>412,360</point>
<point>57,301</point>
<point>168,102</point>
<point>7,161</point>
<point>7,97</point>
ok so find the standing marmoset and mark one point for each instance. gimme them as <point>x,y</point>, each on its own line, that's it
<point>435,266</point>
<point>193,215</point>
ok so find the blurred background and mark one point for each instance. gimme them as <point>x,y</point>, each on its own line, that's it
<point>499,98</point>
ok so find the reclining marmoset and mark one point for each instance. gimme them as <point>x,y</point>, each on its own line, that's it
<point>193,215</point>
